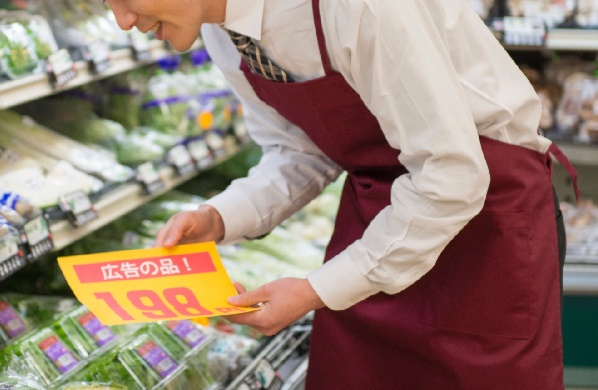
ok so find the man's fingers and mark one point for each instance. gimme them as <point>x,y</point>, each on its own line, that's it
<point>248,298</point>
<point>239,287</point>
<point>165,238</point>
<point>170,234</point>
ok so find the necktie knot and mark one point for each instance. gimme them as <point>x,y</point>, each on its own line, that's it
<point>256,60</point>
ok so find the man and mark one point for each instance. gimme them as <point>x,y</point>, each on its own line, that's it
<point>443,270</point>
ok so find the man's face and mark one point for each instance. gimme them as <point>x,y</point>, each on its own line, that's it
<point>177,21</point>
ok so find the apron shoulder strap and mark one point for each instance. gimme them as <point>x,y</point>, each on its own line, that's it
<point>320,35</point>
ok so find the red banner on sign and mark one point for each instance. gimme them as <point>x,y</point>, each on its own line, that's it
<point>155,267</point>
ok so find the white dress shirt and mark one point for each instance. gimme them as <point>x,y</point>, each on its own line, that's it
<point>435,78</point>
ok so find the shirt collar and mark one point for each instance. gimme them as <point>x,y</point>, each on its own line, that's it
<point>245,17</point>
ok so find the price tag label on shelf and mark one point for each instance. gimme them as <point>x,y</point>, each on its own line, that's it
<point>180,157</point>
<point>38,237</point>
<point>147,285</point>
<point>78,208</point>
<point>149,176</point>
<point>200,153</point>
<point>11,258</point>
<point>36,230</point>
<point>215,142</point>
<point>60,68</point>
<point>97,54</point>
<point>140,44</point>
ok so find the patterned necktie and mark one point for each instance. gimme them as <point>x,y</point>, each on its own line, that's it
<point>258,62</point>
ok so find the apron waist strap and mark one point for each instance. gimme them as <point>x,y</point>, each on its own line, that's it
<point>564,161</point>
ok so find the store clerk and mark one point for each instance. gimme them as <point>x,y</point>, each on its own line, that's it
<point>443,270</point>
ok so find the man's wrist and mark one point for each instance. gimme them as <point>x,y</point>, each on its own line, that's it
<point>313,297</point>
<point>216,221</point>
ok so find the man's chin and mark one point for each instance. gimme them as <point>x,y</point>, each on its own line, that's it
<point>181,47</point>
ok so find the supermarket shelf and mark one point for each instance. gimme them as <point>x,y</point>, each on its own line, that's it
<point>119,202</point>
<point>580,279</point>
<point>33,87</point>
<point>572,39</point>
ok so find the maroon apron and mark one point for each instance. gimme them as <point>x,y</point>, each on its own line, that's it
<point>486,316</point>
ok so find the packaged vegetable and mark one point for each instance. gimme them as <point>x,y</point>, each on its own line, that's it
<point>83,332</point>
<point>45,354</point>
<point>47,142</point>
<point>17,51</point>
<point>12,325</point>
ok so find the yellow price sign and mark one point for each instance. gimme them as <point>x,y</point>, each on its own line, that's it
<point>145,285</point>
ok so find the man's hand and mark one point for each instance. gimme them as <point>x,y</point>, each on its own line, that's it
<point>282,302</point>
<point>185,227</point>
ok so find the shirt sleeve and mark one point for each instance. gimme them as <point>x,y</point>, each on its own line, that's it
<point>396,56</point>
<point>292,170</point>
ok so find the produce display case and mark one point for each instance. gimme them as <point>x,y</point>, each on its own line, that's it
<point>280,364</point>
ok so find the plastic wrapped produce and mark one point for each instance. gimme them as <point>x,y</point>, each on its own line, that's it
<point>164,106</point>
<point>211,101</point>
<point>39,31</point>
<point>83,332</point>
<point>46,357</point>
<point>12,324</point>
<point>203,75</point>
<point>76,119</point>
<point>43,141</point>
<point>144,361</point>
<point>315,228</point>
<point>254,267</point>
<point>289,248</point>
<point>124,97</point>
<point>138,147</point>
<point>76,24</point>
<point>231,352</point>
<point>91,386</point>
<point>24,175</point>
<point>44,190</point>
<point>37,310</point>
<point>18,203</point>
<point>18,56</point>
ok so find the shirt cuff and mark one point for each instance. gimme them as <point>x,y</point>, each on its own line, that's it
<point>339,283</point>
<point>238,215</point>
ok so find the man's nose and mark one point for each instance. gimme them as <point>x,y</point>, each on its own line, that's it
<point>125,18</point>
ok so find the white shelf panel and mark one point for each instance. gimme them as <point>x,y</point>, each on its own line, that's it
<point>572,39</point>
<point>33,87</point>
<point>580,279</point>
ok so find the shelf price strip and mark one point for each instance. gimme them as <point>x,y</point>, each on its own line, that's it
<point>147,285</point>
<point>140,45</point>
<point>150,178</point>
<point>78,208</point>
<point>11,257</point>
<point>198,149</point>
<point>181,159</point>
<point>60,68</point>
<point>37,238</point>
<point>97,55</point>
